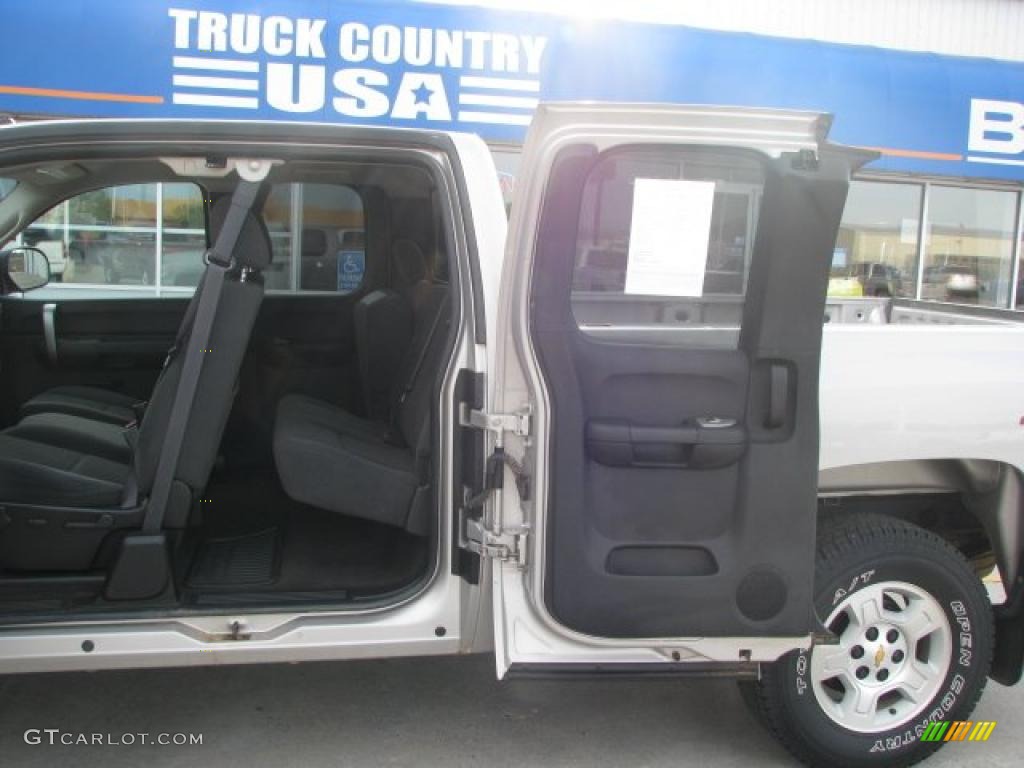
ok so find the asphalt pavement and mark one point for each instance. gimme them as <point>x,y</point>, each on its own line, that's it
<point>447,712</point>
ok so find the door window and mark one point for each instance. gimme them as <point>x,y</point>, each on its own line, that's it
<point>151,238</point>
<point>136,237</point>
<point>665,238</point>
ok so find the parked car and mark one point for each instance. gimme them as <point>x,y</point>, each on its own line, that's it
<point>127,258</point>
<point>950,282</point>
<point>451,461</point>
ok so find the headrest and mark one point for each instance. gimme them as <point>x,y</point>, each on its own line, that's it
<point>409,263</point>
<point>253,247</point>
<point>351,238</point>
<point>314,242</point>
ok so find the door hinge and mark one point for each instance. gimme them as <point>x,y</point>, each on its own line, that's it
<point>509,543</point>
<point>498,423</point>
<point>494,471</point>
<point>508,546</point>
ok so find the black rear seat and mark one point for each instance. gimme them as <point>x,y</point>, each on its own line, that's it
<point>374,468</point>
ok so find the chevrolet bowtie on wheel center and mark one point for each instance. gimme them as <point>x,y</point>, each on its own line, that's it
<point>305,392</point>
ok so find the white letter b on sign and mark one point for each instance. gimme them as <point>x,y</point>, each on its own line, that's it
<point>996,126</point>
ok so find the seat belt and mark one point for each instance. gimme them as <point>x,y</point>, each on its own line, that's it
<point>410,382</point>
<point>218,264</point>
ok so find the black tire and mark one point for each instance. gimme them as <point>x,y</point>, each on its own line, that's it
<point>891,551</point>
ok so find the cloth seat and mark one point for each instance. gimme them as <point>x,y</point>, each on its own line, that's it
<point>96,403</point>
<point>37,473</point>
<point>77,433</point>
<point>86,402</point>
<point>66,465</point>
<point>375,469</point>
<point>331,459</point>
<point>383,323</point>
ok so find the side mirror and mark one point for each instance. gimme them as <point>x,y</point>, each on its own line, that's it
<point>24,268</point>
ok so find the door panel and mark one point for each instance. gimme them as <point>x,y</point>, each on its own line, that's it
<point>683,493</point>
<point>116,344</point>
<point>683,415</point>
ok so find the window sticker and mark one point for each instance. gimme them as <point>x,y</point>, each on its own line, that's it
<point>668,239</point>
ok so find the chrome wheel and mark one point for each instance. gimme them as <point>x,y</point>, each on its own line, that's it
<point>895,648</point>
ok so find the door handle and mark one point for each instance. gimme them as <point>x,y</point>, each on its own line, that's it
<point>50,331</point>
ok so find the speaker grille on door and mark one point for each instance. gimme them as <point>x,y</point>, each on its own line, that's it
<point>761,595</point>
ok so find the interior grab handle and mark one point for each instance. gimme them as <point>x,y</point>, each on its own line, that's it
<point>778,396</point>
<point>50,331</point>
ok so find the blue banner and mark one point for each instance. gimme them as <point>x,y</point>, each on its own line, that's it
<point>478,70</point>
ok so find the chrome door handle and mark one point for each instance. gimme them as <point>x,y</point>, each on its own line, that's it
<point>50,331</point>
<point>715,422</point>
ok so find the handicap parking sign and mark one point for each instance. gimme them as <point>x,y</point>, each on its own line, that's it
<point>351,266</point>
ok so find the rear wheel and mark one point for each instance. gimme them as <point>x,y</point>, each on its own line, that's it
<point>915,644</point>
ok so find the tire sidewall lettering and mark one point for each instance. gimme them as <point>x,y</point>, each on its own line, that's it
<point>955,604</point>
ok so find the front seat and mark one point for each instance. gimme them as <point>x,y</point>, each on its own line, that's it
<point>95,403</point>
<point>60,498</point>
<point>88,402</point>
<point>374,469</point>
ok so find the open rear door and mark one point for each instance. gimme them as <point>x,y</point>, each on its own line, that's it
<point>661,316</point>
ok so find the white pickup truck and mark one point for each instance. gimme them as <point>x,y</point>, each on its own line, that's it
<point>596,445</point>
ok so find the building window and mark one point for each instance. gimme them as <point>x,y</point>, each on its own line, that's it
<point>184,234</point>
<point>969,246</point>
<point>876,250</point>
<point>1019,295</point>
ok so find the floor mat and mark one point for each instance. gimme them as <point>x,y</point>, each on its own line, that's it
<point>236,561</point>
<point>317,552</point>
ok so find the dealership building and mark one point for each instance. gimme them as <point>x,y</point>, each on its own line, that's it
<point>936,87</point>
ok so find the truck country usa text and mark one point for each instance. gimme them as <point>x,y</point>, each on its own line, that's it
<point>405,73</point>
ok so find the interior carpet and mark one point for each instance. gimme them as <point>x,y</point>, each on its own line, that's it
<point>235,561</point>
<point>317,553</point>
